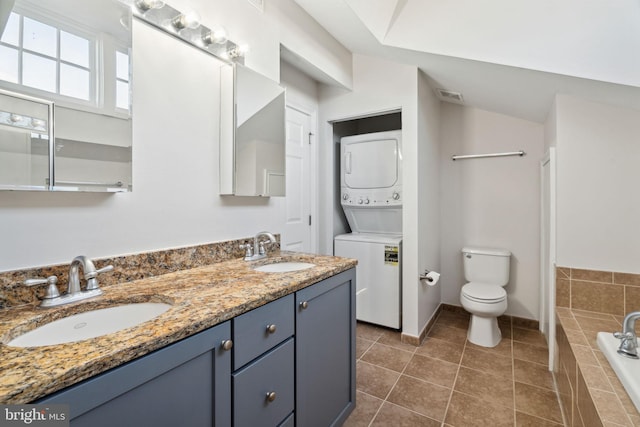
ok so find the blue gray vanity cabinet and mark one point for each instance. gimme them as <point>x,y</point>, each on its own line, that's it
<point>325,351</point>
<point>187,383</point>
<point>293,363</point>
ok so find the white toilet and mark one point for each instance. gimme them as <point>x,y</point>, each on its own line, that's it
<point>487,272</point>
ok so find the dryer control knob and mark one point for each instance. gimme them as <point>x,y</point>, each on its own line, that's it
<point>360,201</point>
<point>345,196</point>
<point>366,201</point>
<point>396,195</point>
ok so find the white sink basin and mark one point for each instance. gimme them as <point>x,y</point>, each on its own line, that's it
<point>627,370</point>
<point>284,267</point>
<point>90,324</point>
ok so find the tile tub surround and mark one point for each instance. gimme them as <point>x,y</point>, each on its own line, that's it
<point>590,392</point>
<point>126,268</point>
<point>201,297</point>
<point>597,291</point>
<point>447,381</point>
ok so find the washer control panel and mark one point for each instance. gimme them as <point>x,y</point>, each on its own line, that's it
<point>378,197</point>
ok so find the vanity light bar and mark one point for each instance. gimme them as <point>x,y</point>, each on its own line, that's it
<point>187,27</point>
<point>21,121</point>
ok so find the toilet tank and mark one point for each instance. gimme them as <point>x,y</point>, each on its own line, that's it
<point>486,265</point>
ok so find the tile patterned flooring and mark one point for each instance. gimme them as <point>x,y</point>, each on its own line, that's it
<point>448,381</point>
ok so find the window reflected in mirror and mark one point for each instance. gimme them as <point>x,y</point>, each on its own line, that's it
<point>79,57</point>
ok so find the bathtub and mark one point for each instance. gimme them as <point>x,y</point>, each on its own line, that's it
<point>628,370</point>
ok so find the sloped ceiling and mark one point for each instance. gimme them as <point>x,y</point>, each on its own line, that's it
<point>507,56</point>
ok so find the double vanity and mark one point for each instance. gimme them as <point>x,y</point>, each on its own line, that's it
<point>265,342</point>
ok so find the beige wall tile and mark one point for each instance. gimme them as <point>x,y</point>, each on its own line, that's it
<point>610,408</point>
<point>599,297</point>
<point>592,275</point>
<point>563,292</point>
<point>586,407</point>
<point>563,272</point>
<point>627,279</point>
<point>631,299</point>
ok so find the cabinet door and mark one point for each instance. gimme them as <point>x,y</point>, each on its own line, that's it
<point>187,383</point>
<point>325,351</point>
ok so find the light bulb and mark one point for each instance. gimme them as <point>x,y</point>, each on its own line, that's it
<point>217,36</point>
<point>243,49</point>
<point>38,123</point>
<point>186,20</point>
<point>145,5</point>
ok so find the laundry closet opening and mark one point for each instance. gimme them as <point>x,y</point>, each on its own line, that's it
<point>369,188</point>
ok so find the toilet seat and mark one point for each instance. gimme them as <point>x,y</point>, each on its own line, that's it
<point>484,293</point>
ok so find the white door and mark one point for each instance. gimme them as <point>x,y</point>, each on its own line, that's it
<point>297,231</point>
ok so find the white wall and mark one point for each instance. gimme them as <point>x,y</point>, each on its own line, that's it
<point>175,156</point>
<point>427,216</point>
<point>598,205</point>
<point>492,202</point>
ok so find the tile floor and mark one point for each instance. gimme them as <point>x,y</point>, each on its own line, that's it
<point>448,381</point>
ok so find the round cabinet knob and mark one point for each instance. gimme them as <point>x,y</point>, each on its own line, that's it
<point>366,201</point>
<point>345,196</point>
<point>271,328</point>
<point>360,201</point>
<point>396,195</point>
<point>304,305</point>
<point>271,396</point>
<point>227,345</point>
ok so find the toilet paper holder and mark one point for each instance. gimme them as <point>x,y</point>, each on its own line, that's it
<point>426,276</point>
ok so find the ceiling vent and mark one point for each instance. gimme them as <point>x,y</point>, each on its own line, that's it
<point>258,4</point>
<point>450,96</point>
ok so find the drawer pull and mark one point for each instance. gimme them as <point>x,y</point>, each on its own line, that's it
<point>271,328</point>
<point>304,305</point>
<point>271,396</point>
<point>227,345</point>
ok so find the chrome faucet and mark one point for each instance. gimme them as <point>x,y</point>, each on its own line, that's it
<point>258,250</point>
<point>90,274</point>
<point>629,341</point>
<point>53,298</point>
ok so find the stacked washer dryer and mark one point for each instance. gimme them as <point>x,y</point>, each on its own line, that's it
<point>371,187</point>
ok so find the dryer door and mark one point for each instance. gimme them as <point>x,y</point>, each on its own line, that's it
<point>371,163</point>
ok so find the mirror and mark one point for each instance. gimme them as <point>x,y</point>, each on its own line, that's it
<point>25,128</point>
<point>75,56</point>
<point>252,133</point>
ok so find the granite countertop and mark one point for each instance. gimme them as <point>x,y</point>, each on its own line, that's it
<point>200,297</point>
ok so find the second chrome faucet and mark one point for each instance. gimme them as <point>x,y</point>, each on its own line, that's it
<point>257,250</point>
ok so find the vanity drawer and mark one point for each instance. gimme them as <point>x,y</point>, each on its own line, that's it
<point>263,391</point>
<point>261,329</point>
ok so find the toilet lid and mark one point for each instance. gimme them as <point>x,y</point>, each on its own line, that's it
<point>484,292</point>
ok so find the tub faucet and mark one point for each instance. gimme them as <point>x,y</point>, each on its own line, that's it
<point>257,250</point>
<point>629,341</point>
